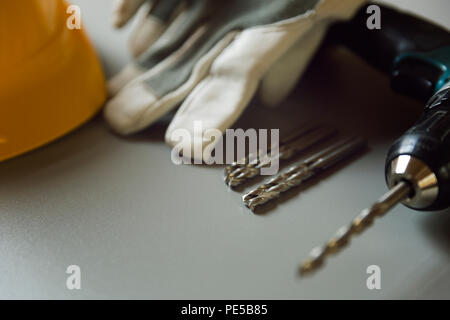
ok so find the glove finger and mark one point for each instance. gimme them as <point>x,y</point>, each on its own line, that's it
<point>137,105</point>
<point>124,10</point>
<point>283,76</point>
<point>135,70</point>
<point>180,29</point>
<point>147,30</point>
<point>125,76</point>
<point>233,80</point>
<point>164,10</point>
<point>178,39</point>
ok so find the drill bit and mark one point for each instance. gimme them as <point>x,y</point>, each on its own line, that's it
<point>287,151</point>
<point>239,171</point>
<point>303,171</point>
<point>317,256</point>
<point>239,165</point>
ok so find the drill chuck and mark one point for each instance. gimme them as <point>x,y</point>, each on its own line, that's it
<point>420,178</point>
<point>421,157</point>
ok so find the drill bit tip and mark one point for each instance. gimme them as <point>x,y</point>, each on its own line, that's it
<point>314,260</point>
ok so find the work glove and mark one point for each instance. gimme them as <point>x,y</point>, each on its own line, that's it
<point>212,56</point>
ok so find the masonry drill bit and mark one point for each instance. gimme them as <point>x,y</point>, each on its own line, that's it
<point>317,256</point>
<point>303,171</point>
<point>285,152</point>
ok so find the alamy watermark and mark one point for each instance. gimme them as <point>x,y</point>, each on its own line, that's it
<point>207,147</point>
<point>373,281</point>
<point>374,20</point>
<point>73,281</point>
<point>74,19</point>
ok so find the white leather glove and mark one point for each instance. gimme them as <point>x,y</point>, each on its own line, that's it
<point>212,56</point>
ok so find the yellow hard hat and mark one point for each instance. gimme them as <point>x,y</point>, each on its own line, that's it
<point>50,78</point>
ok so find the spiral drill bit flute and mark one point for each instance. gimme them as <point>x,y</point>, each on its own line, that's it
<point>303,171</point>
<point>236,174</point>
<point>365,219</point>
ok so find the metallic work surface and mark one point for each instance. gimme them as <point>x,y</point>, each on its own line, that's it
<point>141,227</point>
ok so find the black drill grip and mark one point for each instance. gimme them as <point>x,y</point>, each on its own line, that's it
<point>400,34</point>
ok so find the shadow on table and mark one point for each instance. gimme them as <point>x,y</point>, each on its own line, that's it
<point>436,226</point>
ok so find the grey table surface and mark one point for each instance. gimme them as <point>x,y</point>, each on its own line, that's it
<point>141,227</point>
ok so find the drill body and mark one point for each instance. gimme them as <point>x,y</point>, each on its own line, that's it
<point>416,55</point>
